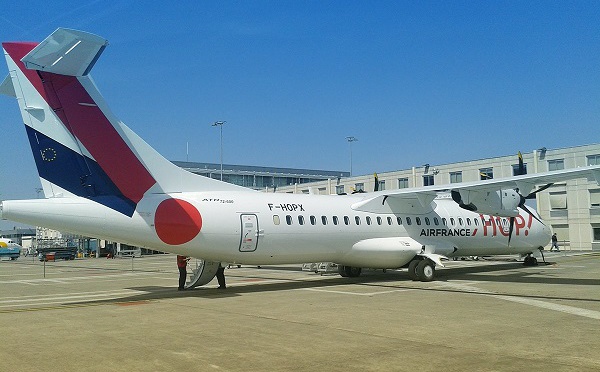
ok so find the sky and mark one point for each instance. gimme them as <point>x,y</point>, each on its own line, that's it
<point>414,81</point>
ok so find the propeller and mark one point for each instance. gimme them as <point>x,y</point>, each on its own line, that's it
<point>521,170</point>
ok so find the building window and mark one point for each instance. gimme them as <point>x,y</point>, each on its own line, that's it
<point>515,168</point>
<point>381,185</point>
<point>558,200</point>
<point>428,180</point>
<point>455,177</point>
<point>556,164</point>
<point>486,173</point>
<point>358,187</point>
<point>339,189</point>
<point>595,198</point>
<point>596,233</point>
<point>593,159</point>
<point>402,183</point>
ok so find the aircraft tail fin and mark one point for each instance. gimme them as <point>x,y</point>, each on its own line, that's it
<point>79,146</point>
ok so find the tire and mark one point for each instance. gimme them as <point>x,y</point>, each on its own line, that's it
<point>342,271</point>
<point>412,270</point>
<point>353,272</point>
<point>426,270</point>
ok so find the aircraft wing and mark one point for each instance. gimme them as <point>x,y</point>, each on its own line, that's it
<point>418,200</point>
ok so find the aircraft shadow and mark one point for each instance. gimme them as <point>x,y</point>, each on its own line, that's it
<point>506,273</point>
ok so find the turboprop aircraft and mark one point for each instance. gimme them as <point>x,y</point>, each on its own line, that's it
<point>101,180</point>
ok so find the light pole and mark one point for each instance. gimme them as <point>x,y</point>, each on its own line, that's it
<point>351,139</point>
<point>220,124</point>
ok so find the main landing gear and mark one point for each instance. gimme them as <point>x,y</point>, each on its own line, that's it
<point>529,260</point>
<point>423,270</point>
<point>349,271</point>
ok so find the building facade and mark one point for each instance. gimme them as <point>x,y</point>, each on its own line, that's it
<point>259,178</point>
<point>572,208</point>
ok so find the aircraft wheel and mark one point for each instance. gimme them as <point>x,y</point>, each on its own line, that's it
<point>342,271</point>
<point>412,270</point>
<point>425,270</point>
<point>352,271</point>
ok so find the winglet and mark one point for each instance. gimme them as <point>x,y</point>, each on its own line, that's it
<point>66,52</point>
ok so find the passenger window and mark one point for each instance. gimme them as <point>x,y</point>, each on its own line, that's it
<point>444,222</point>
<point>379,220</point>
<point>408,222</point>
<point>418,220</point>
<point>335,220</point>
<point>301,220</point>
<point>460,221</point>
<point>452,221</point>
<point>389,219</point>
<point>346,220</point>
<point>436,221</point>
<point>276,219</point>
<point>288,219</point>
<point>476,221</point>
<point>427,221</point>
<point>468,222</point>
<point>368,220</point>
<point>399,220</point>
<point>313,220</point>
<point>324,220</point>
<point>357,220</point>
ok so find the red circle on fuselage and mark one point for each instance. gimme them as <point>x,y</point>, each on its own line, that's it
<point>177,221</point>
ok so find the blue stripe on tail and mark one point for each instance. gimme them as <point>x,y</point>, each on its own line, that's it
<point>76,173</point>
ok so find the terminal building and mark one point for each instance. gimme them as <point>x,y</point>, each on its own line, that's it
<point>572,208</point>
<point>259,178</point>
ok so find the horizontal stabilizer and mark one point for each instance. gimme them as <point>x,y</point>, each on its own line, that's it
<point>7,87</point>
<point>66,52</point>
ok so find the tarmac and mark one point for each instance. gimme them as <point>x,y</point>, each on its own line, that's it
<point>127,315</point>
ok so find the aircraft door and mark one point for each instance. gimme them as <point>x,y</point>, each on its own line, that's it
<point>250,232</point>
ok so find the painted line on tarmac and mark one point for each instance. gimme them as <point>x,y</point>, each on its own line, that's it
<point>120,276</point>
<point>592,314</point>
<point>354,293</point>
<point>65,299</point>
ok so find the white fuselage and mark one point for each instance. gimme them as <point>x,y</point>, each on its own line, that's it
<point>260,228</point>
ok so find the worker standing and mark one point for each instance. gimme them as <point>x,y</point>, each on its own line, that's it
<point>182,266</point>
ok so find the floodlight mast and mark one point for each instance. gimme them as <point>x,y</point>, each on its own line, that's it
<point>351,139</point>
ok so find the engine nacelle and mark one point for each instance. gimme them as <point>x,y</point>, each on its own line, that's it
<point>382,253</point>
<point>503,203</point>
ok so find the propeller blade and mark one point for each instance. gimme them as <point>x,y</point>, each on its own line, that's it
<point>530,213</point>
<point>521,169</point>
<point>532,194</point>
<point>510,229</point>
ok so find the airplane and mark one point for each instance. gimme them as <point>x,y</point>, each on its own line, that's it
<point>9,248</point>
<point>102,180</point>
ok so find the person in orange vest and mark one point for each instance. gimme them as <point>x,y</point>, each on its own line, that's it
<point>182,266</point>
